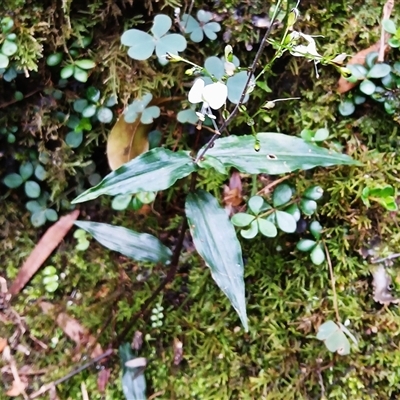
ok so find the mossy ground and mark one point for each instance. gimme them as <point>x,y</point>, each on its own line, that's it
<point>287,296</point>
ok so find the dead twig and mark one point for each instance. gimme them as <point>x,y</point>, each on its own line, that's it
<point>74,372</point>
<point>387,10</point>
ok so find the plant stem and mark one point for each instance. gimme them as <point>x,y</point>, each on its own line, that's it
<point>335,301</point>
<point>250,73</point>
<point>173,269</point>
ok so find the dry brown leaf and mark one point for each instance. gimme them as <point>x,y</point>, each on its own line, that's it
<point>3,344</point>
<point>126,141</point>
<point>74,330</point>
<point>233,192</point>
<point>381,283</point>
<point>102,379</point>
<point>343,84</point>
<point>48,242</point>
<point>17,388</point>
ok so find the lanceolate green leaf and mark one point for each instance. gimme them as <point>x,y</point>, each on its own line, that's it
<point>278,154</point>
<point>215,240</point>
<point>155,170</point>
<point>138,246</point>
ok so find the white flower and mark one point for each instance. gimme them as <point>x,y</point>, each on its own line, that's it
<point>213,95</point>
<point>302,50</point>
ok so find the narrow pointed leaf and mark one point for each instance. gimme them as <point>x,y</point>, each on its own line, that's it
<point>215,240</point>
<point>138,246</point>
<point>155,170</point>
<point>278,154</point>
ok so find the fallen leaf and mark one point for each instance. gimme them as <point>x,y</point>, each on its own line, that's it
<point>48,242</point>
<point>343,84</point>
<point>74,330</point>
<point>3,344</point>
<point>17,388</point>
<point>126,141</point>
<point>233,192</point>
<point>102,379</point>
<point>381,283</point>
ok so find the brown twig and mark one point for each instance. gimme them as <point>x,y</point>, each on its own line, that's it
<point>242,96</point>
<point>47,387</point>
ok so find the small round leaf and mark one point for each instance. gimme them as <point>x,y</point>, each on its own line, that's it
<point>32,189</point>
<point>285,221</point>
<point>317,255</point>
<point>121,202</point>
<point>251,232</point>
<point>89,111</point>
<point>104,115</point>
<point>308,206</point>
<point>80,75</point>
<point>314,192</point>
<point>51,214</point>
<point>255,204</point>
<point>346,108</point>
<point>4,61</point>
<point>54,59</point>
<point>38,218</point>
<point>305,244</point>
<point>242,219</point>
<point>13,180</point>
<point>379,71</point>
<point>9,48</point>
<point>67,71</point>
<point>316,229</point>
<point>294,210</point>
<point>85,64</point>
<point>74,139</point>
<point>282,194</point>
<point>266,227</point>
<point>26,170</point>
<point>367,87</point>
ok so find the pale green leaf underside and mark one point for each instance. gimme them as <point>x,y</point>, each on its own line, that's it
<point>138,246</point>
<point>278,154</point>
<point>215,240</point>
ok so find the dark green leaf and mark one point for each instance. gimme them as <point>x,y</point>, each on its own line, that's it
<point>155,170</point>
<point>215,240</point>
<point>278,154</point>
<point>138,246</point>
<point>282,195</point>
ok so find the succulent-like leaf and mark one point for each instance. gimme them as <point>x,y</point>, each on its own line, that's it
<point>215,240</point>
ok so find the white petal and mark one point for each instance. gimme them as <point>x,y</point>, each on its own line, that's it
<point>215,95</point>
<point>196,92</point>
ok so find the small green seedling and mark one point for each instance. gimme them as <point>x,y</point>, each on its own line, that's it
<point>334,337</point>
<point>385,196</point>
<point>82,238</point>
<point>50,279</point>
